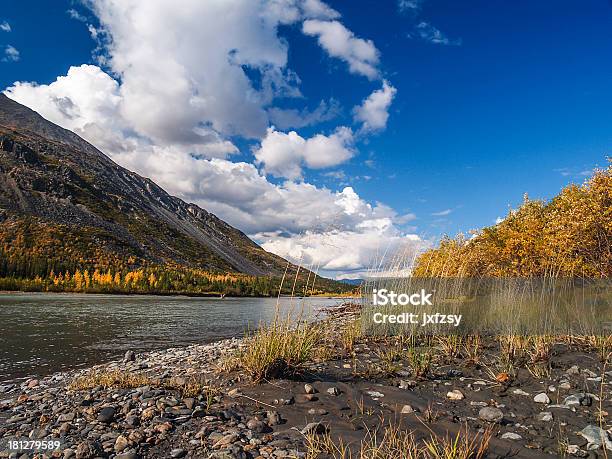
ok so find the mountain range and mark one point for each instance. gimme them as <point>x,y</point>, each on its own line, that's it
<point>65,205</point>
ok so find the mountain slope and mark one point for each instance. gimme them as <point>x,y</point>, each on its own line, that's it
<point>63,200</point>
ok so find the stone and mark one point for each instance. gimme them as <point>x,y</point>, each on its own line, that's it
<point>129,356</point>
<point>314,428</point>
<point>226,440</point>
<point>309,389</point>
<point>565,385</point>
<point>274,418</point>
<point>257,426</point>
<point>177,452</point>
<point>87,450</point>
<point>148,413</point>
<point>520,392</point>
<point>545,416</point>
<point>127,455</point>
<point>455,394</point>
<point>375,394</point>
<point>318,411</point>
<point>595,435</point>
<point>542,398</point>
<point>403,384</point>
<point>66,417</point>
<point>578,399</point>
<point>408,409</point>
<point>121,443</point>
<point>573,370</point>
<point>511,436</point>
<point>333,391</point>
<point>234,393</point>
<point>491,414</point>
<point>106,414</point>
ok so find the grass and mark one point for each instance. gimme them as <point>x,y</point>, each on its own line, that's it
<point>394,442</point>
<point>279,349</point>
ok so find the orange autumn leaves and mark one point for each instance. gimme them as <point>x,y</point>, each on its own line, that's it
<point>571,235</point>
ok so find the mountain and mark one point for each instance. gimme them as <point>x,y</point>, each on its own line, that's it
<point>64,205</point>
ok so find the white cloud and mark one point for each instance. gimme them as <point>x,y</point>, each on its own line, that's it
<point>11,54</point>
<point>409,5</point>
<point>176,90</point>
<point>284,154</point>
<point>442,213</point>
<point>429,33</point>
<point>373,113</point>
<point>295,119</point>
<point>361,55</point>
<point>5,26</point>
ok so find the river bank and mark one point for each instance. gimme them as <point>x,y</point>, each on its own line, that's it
<point>190,402</point>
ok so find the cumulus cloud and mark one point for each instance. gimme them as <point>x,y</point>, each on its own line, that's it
<point>11,54</point>
<point>5,26</point>
<point>284,154</point>
<point>373,113</point>
<point>175,84</point>
<point>361,55</point>
<point>431,34</point>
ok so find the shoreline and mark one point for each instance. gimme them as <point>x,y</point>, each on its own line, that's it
<point>184,402</point>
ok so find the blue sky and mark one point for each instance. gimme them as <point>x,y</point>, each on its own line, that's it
<point>493,99</point>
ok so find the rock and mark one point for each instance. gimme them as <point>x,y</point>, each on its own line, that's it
<point>578,399</point>
<point>127,455</point>
<point>309,389</point>
<point>106,414</point>
<point>520,392</point>
<point>67,417</point>
<point>129,356</point>
<point>408,409</point>
<point>375,394</point>
<point>87,450</point>
<point>542,398</point>
<point>595,435</point>
<point>455,395</point>
<point>314,428</point>
<point>491,414</point>
<point>403,384</point>
<point>148,413</point>
<point>32,383</point>
<point>274,418</point>
<point>545,416</point>
<point>565,385</point>
<point>234,393</point>
<point>511,436</point>
<point>177,452</point>
<point>333,391</point>
<point>573,370</point>
<point>121,443</point>
<point>318,411</point>
<point>189,403</point>
<point>257,426</point>
<point>226,440</point>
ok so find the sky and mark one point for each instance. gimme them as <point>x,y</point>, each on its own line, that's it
<point>336,134</point>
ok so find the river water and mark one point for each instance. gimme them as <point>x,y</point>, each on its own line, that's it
<point>44,333</point>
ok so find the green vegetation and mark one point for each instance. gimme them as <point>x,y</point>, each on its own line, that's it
<point>570,236</point>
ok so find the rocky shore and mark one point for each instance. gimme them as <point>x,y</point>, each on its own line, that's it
<point>188,402</point>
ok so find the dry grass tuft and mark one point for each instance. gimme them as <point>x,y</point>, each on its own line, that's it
<point>395,442</point>
<point>279,349</point>
<point>111,379</point>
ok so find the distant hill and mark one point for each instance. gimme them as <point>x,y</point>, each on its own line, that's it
<point>67,207</point>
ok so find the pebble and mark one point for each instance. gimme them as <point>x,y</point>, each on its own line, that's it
<point>375,394</point>
<point>595,435</point>
<point>542,398</point>
<point>520,392</point>
<point>511,436</point>
<point>106,414</point>
<point>333,391</point>
<point>314,428</point>
<point>455,395</point>
<point>177,452</point>
<point>545,416</point>
<point>408,409</point>
<point>309,389</point>
<point>491,414</point>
